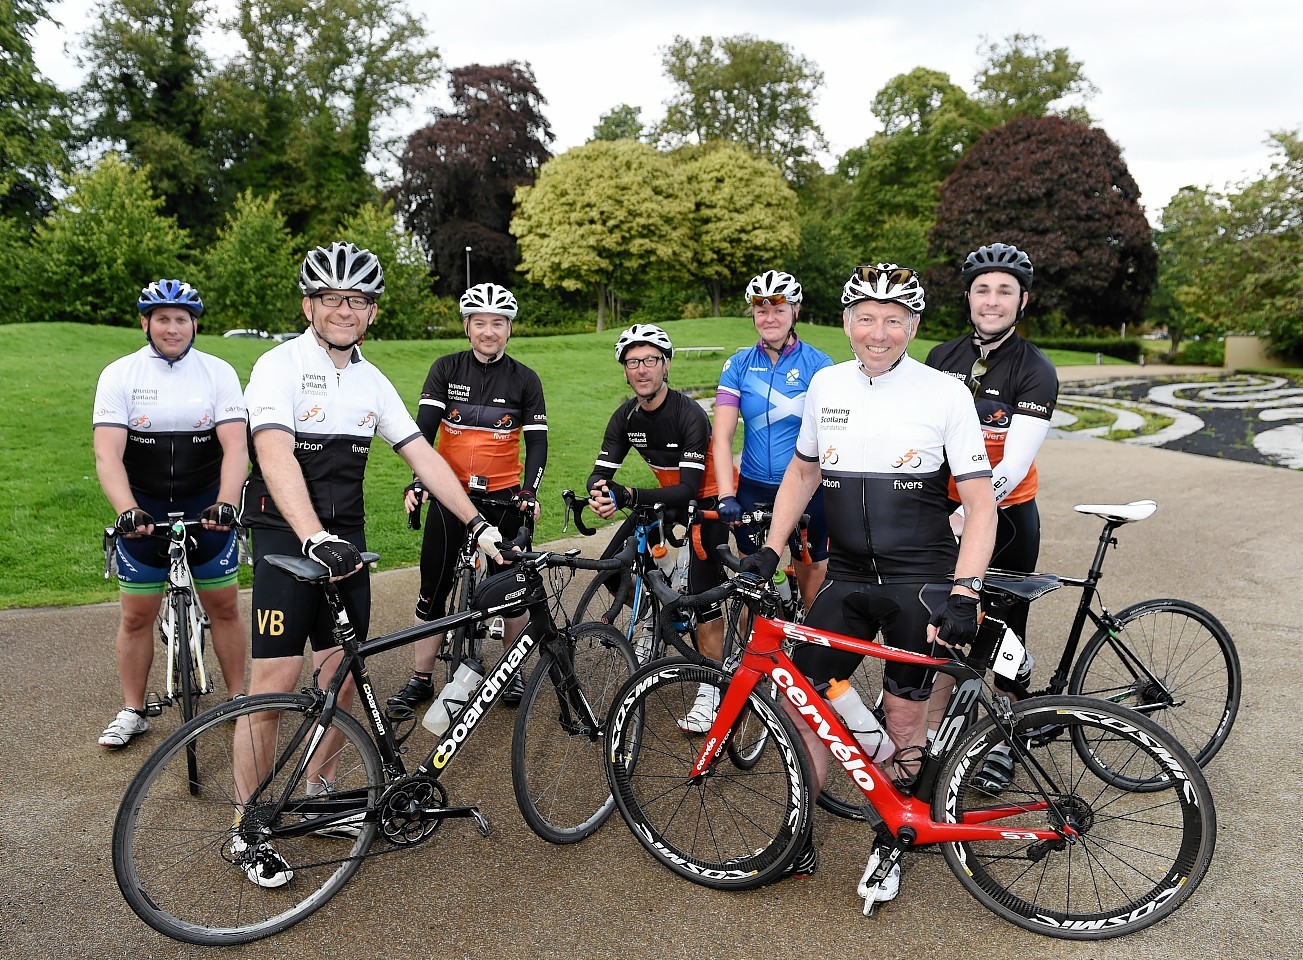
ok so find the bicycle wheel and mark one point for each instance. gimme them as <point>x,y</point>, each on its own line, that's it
<point>608,599</point>
<point>731,829</point>
<point>840,796</point>
<point>174,854</point>
<point>186,686</point>
<point>1188,650</point>
<point>1136,857</point>
<point>556,752</point>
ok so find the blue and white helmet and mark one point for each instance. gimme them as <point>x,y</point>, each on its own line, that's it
<point>170,293</point>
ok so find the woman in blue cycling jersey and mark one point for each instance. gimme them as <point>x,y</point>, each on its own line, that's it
<point>765,387</point>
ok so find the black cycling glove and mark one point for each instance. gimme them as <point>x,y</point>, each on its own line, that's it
<point>622,497</point>
<point>129,521</point>
<point>762,563</point>
<point>525,498</point>
<point>956,622</point>
<point>334,553</point>
<point>418,489</point>
<point>222,514</point>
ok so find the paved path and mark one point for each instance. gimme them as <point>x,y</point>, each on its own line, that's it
<point>1228,535</point>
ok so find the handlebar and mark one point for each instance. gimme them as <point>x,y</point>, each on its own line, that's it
<point>112,533</point>
<point>760,516</point>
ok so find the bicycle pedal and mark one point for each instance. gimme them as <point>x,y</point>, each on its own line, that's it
<point>154,705</point>
<point>497,628</point>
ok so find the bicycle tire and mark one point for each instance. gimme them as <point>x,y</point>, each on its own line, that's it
<point>1193,655</point>
<point>1136,858</point>
<point>463,587</point>
<point>840,796</point>
<point>732,829</point>
<point>179,610</point>
<point>606,599</point>
<point>556,758</point>
<point>172,852</point>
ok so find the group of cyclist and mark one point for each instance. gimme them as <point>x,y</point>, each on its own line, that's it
<point>889,448</point>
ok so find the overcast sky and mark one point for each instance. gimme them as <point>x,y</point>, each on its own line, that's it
<point>1189,90</point>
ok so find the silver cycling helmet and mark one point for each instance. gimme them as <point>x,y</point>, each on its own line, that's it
<point>489,298</point>
<point>342,266</point>
<point>775,286</point>
<point>887,283</point>
<point>1004,257</point>
<point>644,333</point>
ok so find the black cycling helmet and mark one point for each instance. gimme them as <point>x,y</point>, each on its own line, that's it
<point>1004,257</point>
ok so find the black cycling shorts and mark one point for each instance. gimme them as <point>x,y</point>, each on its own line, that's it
<point>443,539</point>
<point>898,613</point>
<point>286,612</point>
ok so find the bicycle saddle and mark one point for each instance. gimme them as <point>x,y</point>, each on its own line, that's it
<point>1119,512</point>
<point>1007,585</point>
<point>307,569</point>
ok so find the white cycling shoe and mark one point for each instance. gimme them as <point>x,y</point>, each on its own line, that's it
<point>882,892</point>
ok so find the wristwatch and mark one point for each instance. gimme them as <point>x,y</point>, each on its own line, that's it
<point>972,583</point>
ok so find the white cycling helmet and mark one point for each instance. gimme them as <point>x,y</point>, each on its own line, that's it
<point>644,333</point>
<point>342,266</point>
<point>774,284</point>
<point>887,283</point>
<point>489,298</point>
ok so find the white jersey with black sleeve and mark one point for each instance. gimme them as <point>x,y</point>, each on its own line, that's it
<point>171,411</point>
<point>333,415</point>
<point>887,447</point>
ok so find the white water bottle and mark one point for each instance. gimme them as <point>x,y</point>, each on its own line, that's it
<point>664,560</point>
<point>872,738</point>
<point>453,696</point>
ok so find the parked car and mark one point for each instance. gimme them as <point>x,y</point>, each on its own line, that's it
<point>250,334</point>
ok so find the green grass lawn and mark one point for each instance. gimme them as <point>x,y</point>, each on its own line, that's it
<point>54,511</point>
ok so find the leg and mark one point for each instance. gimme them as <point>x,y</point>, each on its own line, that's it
<point>135,645</point>
<point>443,537</point>
<point>223,608</point>
<point>809,577</point>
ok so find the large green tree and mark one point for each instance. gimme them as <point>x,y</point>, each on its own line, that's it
<point>1062,192</point>
<point>604,217</point>
<point>107,239</point>
<point>298,109</point>
<point>758,93</point>
<point>620,123</point>
<point>1019,77</point>
<point>460,173</point>
<point>249,276</point>
<point>745,217</point>
<point>33,121</point>
<point>407,309</point>
<point>145,96</point>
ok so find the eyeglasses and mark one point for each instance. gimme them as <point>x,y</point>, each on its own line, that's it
<point>895,276</point>
<point>333,300</point>
<point>976,374</point>
<point>773,300</point>
<point>652,362</point>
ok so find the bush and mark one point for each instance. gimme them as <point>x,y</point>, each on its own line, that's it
<point>1208,352</point>
<point>1129,349</point>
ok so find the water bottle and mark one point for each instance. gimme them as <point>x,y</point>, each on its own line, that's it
<point>665,561</point>
<point>453,696</point>
<point>784,588</point>
<point>872,738</point>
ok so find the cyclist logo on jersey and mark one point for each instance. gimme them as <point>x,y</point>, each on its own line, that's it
<point>504,423</point>
<point>204,421</point>
<point>454,416</point>
<point>369,418</point>
<point>909,458</point>
<point>141,421</point>
<point>317,413</point>
<point>999,417</point>
<point>830,457</point>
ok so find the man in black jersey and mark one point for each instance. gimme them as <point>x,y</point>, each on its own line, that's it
<point>480,403</point>
<point>1015,388</point>
<point>672,434</point>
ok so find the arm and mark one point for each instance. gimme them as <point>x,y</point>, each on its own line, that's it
<point>110,445</point>
<point>285,482</point>
<point>726,418</point>
<point>235,460</point>
<point>535,433</point>
<point>979,529</point>
<point>439,480</point>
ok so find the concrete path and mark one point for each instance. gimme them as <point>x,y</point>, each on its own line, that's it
<point>1226,535</point>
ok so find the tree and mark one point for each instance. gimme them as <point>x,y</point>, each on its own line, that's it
<point>1061,192</point>
<point>601,217</point>
<point>758,93</point>
<point>145,96</point>
<point>620,123</point>
<point>297,111</point>
<point>407,307</point>
<point>33,122</point>
<point>106,240</point>
<point>1193,222</point>
<point>745,217</point>
<point>1020,78</point>
<point>460,174</point>
<point>249,276</point>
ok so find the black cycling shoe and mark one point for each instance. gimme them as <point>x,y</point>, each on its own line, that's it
<point>416,692</point>
<point>514,691</point>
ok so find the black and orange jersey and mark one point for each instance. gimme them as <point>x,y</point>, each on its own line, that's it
<point>674,440</point>
<point>1020,381</point>
<point>479,413</point>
